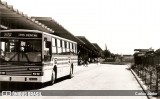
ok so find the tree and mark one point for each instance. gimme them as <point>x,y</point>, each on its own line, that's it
<point>107,53</point>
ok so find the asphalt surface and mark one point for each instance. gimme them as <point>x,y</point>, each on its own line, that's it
<point>93,77</point>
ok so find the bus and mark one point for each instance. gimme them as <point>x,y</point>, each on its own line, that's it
<point>35,56</point>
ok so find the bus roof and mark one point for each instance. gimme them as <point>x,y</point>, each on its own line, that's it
<point>36,31</point>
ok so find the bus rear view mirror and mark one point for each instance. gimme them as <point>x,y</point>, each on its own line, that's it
<point>48,44</point>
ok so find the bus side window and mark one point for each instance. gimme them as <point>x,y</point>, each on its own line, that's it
<point>54,47</point>
<point>75,48</point>
<point>47,50</point>
<point>67,47</point>
<point>71,48</point>
<point>65,43</point>
<point>63,47</point>
<point>59,46</point>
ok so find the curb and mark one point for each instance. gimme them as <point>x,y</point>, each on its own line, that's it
<point>141,84</point>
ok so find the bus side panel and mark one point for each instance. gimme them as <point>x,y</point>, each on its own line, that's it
<point>47,71</point>
<point>62,65</point>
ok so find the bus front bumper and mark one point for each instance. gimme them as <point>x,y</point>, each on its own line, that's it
<point>7,78</point>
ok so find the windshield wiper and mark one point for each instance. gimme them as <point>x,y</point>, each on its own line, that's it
<point>23,53</point>
<point>13,56</point>
<point>18,53</point>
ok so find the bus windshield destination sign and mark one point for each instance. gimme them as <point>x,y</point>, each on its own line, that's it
<point>25,35</point>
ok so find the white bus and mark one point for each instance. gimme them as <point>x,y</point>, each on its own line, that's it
<point>35,56</point>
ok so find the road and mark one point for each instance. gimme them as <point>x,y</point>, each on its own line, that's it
<point>95,77</point>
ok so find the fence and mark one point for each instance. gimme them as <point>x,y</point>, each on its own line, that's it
<point>147,67</point>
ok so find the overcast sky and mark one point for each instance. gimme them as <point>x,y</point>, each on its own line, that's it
<point>122,25</point>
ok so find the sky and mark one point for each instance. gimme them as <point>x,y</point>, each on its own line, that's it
<point>123,25</point>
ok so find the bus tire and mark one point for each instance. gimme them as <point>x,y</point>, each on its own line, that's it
<point>53,77</point>
<point>71,73</point>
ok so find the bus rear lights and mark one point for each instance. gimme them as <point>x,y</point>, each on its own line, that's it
<point>2,73</point>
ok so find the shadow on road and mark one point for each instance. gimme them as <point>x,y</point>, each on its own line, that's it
<point>19,86</point>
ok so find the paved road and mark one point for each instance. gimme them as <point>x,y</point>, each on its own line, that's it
<point>97,77</point>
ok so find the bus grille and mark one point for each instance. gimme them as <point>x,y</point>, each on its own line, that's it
<point>19,70</point>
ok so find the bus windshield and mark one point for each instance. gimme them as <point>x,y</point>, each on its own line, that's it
<point>20,50</point>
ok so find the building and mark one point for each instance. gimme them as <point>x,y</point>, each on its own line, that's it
<point>11,18</point>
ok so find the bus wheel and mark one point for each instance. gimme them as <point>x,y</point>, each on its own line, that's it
<point>53,78</point>
<point>71,73</point>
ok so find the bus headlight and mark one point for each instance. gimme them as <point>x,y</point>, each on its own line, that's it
<point>37,73</point>
<point>2,73</point>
